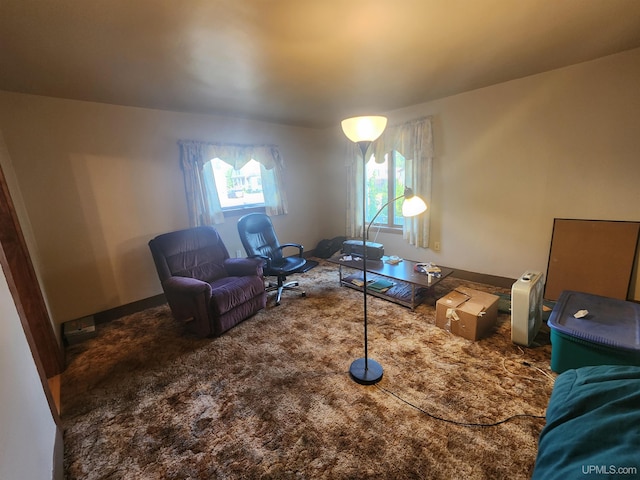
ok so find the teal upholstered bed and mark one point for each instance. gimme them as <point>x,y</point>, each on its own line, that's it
<point>593,425</point>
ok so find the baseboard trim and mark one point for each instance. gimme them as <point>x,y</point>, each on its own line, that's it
<point>135,307</point>
<point>157,300</point>
<point>129,308</point>
<point>493,280</point>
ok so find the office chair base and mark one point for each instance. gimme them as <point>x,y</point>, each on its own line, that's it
<point>292,286</point>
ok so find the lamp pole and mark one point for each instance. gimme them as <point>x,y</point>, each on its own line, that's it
<point>365,370</point>
<point>364,131</point>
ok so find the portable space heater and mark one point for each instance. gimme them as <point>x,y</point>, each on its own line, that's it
<point>526,307</point>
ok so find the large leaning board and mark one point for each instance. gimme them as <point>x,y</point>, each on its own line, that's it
<point>591,256</point>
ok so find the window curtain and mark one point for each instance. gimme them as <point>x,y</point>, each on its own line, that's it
<point>414,140</point>
<point>355,172</point>
<point>203,203</point>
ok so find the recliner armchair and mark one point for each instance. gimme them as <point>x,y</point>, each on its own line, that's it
<point>259,240</point>
<point>203,286</point>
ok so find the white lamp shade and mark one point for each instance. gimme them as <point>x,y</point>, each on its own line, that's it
<point>364,129</point>
<point>413,206</point>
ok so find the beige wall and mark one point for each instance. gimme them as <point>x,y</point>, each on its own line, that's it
<point>99,181</point>
<point>512,157</point>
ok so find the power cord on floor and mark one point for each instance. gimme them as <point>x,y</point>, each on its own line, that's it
<point>462,424</point>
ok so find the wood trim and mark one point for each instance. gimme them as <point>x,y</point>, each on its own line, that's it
<point>129,309</point>
<point>58,455</point>
<point>25,289</point>
<point>493,280</point>
<point>55,385</point>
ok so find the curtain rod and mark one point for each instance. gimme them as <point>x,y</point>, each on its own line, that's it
<point>216,144</point>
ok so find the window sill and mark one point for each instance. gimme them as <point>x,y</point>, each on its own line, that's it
<point>375,229</point>
<point>238,212</point>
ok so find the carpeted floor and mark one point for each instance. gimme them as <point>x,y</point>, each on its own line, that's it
<point>272,398</point>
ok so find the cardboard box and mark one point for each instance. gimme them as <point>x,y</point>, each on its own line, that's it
<point>467,313</point>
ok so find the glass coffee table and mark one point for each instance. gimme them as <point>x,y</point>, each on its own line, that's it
<point>405,286</point>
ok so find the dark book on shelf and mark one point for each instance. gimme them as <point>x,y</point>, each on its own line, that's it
<point>380,285</point>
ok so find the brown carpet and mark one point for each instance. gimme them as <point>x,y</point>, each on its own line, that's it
<point>272,398</point>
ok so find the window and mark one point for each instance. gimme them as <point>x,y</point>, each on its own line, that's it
<point>237,189</point>
<point>386,181</point>
<point>249,178</point>
<point>407,150</point>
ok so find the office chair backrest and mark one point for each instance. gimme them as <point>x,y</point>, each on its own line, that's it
<point>258,236</point>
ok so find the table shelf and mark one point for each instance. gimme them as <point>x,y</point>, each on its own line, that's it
<point>411,289</point>
<point>402,293</point>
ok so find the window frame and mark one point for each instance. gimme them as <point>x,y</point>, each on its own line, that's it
<point>390,226</point>
<point>233,211</point>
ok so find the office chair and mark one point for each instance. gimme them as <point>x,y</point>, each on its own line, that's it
<point>260,241</point>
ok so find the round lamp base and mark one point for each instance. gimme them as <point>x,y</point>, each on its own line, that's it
<point>366,376</point>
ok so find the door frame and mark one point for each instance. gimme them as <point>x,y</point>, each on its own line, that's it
<point>24,286</point>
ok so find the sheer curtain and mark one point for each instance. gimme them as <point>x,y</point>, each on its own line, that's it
<point>202,196</point>
<point>414,140</point>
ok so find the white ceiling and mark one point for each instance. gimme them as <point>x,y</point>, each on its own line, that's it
<point>299,62</point>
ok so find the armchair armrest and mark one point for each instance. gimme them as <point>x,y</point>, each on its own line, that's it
<point>186,286</point>
<point>266,261</point>
<point>242,267</point>
<point>188,298</point>
<point>294,245</point>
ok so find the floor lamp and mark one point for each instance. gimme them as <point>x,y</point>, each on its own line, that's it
<point>364,131</point>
